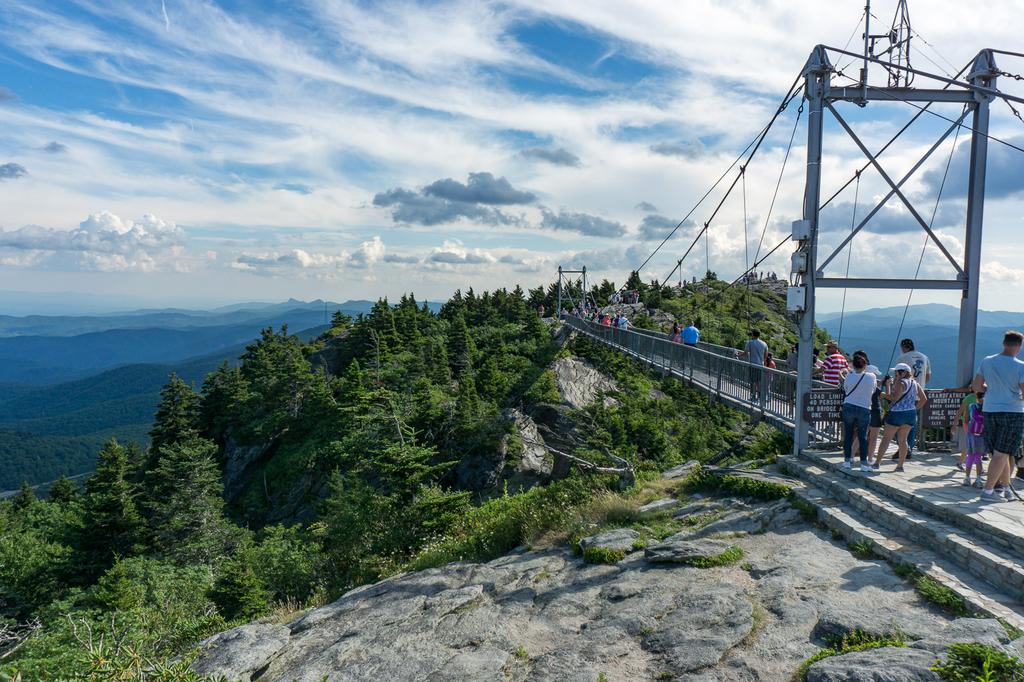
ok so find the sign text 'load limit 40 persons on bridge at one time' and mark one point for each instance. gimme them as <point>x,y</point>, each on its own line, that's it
<point>826,405</point>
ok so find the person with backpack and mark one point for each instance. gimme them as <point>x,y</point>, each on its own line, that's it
<point>975,440</point>
<point>858,388</point>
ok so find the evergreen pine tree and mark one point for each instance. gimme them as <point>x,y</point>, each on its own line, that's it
<point>177,415</point>
<point>25,497</point>
<point>240,593</point>
<point>467,404</point>
<point>340,320</point>
<point>63,491</point>
<point>460,347</point>
<point>183,498</point>
<point>224,396</point>
<point>113,525</point>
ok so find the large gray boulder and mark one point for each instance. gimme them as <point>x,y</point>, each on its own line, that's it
<point>579,384</point>
<point>241,653</point>
<point>986,631</point>
<point>886,664</point>
<point>702,626</point>
<point>680,549</point>
<point>619,539</point>
<point>878,620</point>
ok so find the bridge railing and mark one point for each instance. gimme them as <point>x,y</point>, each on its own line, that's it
<point>759,390</point>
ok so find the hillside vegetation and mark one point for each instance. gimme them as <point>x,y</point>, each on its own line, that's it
<point>385,444</point>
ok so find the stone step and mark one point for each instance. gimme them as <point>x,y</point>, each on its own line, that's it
<point>983,560</point>
<point>1008,539</point>
<point>856,526</point>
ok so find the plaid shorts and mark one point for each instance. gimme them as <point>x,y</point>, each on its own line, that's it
<point>1004,431</point>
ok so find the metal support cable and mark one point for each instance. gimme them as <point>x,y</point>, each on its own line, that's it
<point>888,144</point>
<point>924,248</point>
<point>946,118</point>
<point>732,186</point>
<point>755,143</point>
<point>849,257</point>
<point>778,183</point>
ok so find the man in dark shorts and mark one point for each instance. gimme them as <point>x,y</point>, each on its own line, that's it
<point>1001,376</point>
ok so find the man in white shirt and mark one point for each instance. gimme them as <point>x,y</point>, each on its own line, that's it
<point>921,368</point>
<point>918,362</point>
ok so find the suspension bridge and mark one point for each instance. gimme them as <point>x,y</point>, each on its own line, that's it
<point>923,517</point>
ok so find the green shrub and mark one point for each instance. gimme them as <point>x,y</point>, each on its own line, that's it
<point>603,555</point>
<point>849,643</point>
<point>544,389</point>
<point>864,549</point>
<point>738,486</point>
<point>726,558</point>
<point>504,523</point>
<point>979,663</point>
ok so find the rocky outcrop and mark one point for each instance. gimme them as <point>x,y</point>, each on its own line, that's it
<point>239,462</point>
<point>679,550</point>
<point>617,540</point>
<point>579,384</point>
<point>886,664</point>
<point>547,615</point>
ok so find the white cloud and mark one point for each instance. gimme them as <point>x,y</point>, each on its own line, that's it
<point>106,242</point>
<point>305,263</point>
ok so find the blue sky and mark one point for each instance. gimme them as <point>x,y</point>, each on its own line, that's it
<point>205,152</point>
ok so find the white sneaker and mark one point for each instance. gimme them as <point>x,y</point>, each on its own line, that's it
<point>866,467</point>
<point>846,464</point>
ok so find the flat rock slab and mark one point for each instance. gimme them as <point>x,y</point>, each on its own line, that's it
<point>620,539</point>
<point>678,550</point>
<point>699,507</point>
<point>887,664</point>
<point>986,631</point>
<point>879,621</point>
<point>659,506</point>
<point>702,626</point>
<point>242,651</point>
<point>681,470</point>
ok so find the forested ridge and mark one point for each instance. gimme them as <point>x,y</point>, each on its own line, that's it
<point>314,467</point>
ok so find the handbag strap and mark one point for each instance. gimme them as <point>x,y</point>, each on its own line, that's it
<point>855,386</point>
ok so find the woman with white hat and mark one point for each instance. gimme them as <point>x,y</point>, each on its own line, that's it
<point>906,397</point>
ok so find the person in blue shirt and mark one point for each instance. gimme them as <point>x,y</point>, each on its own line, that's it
<point>691,335</point>
<point>1001,377</point>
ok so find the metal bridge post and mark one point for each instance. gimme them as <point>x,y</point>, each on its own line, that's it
<point>817,76</point>
<point>558,305</point>
<point>983,73</point>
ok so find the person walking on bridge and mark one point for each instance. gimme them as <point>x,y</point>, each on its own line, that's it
<point>754,352</point>
<point>1001,376</point>
<point>906,398</point>
<point>858,389</point>
<point>690,334</point>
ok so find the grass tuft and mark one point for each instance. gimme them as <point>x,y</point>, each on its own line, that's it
<point>854,641</point>
<point>726,558</point>
<point>603,555</point>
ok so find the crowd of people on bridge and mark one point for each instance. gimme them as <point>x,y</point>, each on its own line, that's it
<point>989,424</point>
<point>881,407</point>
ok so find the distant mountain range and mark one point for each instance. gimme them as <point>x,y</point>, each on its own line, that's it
<point>934,328</point>
<point>67,383</point>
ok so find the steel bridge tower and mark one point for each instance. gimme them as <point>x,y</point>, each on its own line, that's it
<point>809,271</point>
